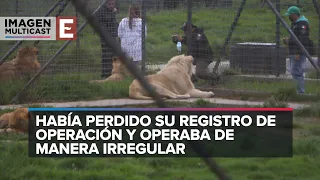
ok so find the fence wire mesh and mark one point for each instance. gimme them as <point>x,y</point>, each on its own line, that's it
<point>242,35</point>
<point>68,77</point>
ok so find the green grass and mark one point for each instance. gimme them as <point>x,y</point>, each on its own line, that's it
<point>15,163</point>
<point>65,88</point>
<point>312,74</point>
<point>312,87</point>
<point>21,167</point>
<point>76,87</point>
<point>313,110</point>
<point>282,90</point>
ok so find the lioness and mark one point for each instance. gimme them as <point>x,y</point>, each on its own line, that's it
<point>119,71</point>
<point>15,121</point>
<point>173,81</point>
<point>25,63</point>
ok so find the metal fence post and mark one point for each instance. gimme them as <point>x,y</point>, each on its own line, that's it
<point>189,38</point>
<point>77,41</point>
<point>317,8</point>
<point>278,37</point>
<point>143,37</point>
<point>318,38</point>
<point>17,5</point>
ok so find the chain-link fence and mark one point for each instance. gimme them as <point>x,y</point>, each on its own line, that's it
<point>244,37</point>
<point>241,35</point>
<point>256,50</point>
<point>67,76</point>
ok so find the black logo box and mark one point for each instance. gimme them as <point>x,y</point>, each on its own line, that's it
<point>249,141</point>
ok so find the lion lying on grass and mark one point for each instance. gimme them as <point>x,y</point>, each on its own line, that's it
<point>25,63</point>
<point>173,81</point>
<point>15,121</point>
<point>119,72</point>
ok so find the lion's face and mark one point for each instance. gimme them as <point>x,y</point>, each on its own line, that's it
<point>117,65</point>
<point>182,61</point>
<point>22,113</point>
<point>29,53</point>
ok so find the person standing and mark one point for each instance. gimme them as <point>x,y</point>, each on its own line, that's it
<point>130,33</point>
<point>107,18</point>
<point>300,27</point>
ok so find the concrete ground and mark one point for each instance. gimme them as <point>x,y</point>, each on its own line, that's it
<point>122,102</point>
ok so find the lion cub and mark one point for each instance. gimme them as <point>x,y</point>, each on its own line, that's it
<point>119,72</point>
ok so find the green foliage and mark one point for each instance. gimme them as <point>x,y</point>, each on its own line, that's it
<point>272,102</point>
<point>281,90</point>
<point>311,111</point>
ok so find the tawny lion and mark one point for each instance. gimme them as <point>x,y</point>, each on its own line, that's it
<point>173,81</point>
<point>15,121</point>
<point>25,63</point>
<point>119,72</point>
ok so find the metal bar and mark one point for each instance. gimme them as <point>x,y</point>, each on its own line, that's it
<point>232,28</point>
<point>135,71</point>
<point>14,47</point>
<point>16,98</point>
<point>317,7</point>
<point>52,8</point>
<point>197,147</point>
<point>293,35</point>
<point>77,42</point>
<point>143,37</point>
<point>278,38</point>
<point>59,12</point>
<point>318,37</point>
<point>17,5</point>
<point>189,32</point>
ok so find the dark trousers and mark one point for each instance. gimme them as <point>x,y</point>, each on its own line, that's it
<point>202,71</point>
<point>106,60</point>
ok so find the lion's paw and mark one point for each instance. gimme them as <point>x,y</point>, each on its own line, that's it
<point>184,96</point>
<point>211,94</point>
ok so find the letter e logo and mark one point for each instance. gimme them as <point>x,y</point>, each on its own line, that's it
<point>66,28</point>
